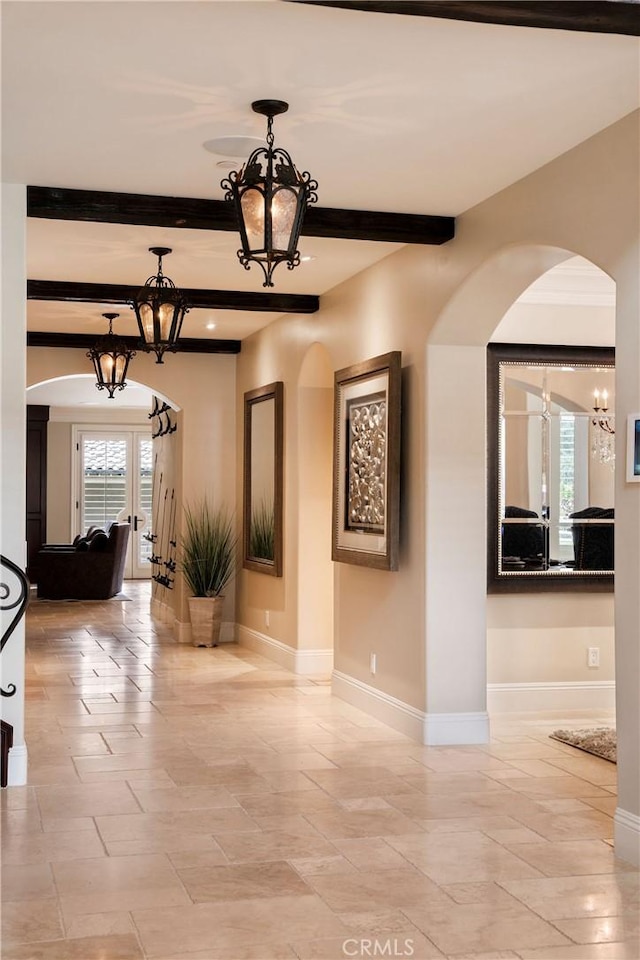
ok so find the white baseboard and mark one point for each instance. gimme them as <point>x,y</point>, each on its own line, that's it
<point>431,728</point>
<point>626,828</point>
<point>17,771</point>
<point>378,704</point>
<point>447,729</point>
<point>307,662</point>
<point>562,695</point>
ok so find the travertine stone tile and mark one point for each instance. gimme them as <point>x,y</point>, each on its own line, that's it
<point>568,897</point>
<point>125,947</point>
<point>85,800</point>
<point>363,892</point>
<point>243,882</point>
<point>371,853</point>
<point>473,928</point>
<point>29,921</point>
<point>569,857</point>
<point>461,857</point>
<point>226,924</point>
<point>51,847</point>
<point>273,845</point>
<point>362,823</point>
<point>27,882</point>
<point>313,866</point>
<point>99,925</point>
<point>158,797</point>
<point>397,944</point>
<point>592,951</point>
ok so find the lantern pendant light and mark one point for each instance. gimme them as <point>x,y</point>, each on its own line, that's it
<point>111,356</point>
<point>270,198</point>
<point>160,310</point>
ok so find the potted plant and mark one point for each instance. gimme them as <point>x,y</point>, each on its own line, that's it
<point>208,563</point>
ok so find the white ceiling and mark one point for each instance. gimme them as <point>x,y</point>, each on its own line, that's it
<point>392,113</point>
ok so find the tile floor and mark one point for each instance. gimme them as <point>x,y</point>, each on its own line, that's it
<point>192,804</point>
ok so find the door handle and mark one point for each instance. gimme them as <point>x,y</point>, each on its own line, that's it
<point>129,519</point>
<point>135,524</point>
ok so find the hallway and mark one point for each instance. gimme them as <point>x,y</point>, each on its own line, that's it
<point>193,804</point>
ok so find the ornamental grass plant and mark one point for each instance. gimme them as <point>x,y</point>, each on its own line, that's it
<point>208,549</point>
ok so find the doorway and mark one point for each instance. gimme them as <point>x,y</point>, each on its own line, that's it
<point>113,482</point>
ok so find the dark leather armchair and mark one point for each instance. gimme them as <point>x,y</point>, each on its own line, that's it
<point>90,569</point>
<point>522,540</point>
<point>593,542</point>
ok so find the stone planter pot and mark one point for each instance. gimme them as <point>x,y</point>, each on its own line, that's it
<point>206,620</point>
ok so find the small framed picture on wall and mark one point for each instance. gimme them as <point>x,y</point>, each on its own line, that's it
<point>633,448</point>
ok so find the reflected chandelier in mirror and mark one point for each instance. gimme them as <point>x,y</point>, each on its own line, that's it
<point>551,462</point>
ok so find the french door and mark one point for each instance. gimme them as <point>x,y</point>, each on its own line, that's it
<point>114,473</point>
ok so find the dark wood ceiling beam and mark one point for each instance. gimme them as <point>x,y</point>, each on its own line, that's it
<point>97,206</point>
<point>74,292</point>
<point>84,341</point>
<point>599,16</point>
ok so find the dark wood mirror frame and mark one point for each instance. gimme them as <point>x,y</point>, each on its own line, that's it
<point>515,582</point>
<point>271,566</point>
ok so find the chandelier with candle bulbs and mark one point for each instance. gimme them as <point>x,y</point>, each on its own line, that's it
<point>603,443</point>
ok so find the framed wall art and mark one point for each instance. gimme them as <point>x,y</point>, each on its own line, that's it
<point>263,479</point>
<point>366,463</point>
<point>633,448</point>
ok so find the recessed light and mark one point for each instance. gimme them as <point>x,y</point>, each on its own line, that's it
<point>306,259</point>
<point>233,146</point>
<point>228,164</point>
<point>211,326</point>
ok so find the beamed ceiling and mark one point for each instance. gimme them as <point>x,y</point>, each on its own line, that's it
<point>407,121</point>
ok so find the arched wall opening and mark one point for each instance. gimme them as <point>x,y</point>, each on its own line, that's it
<point>456,632</point>
<point>200,388</point>
<point>314,458</point>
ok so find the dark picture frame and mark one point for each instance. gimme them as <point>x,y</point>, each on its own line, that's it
<point>262,533</point>
<point>366,463</point>
<point>633,448</point>
<point>499,579</point>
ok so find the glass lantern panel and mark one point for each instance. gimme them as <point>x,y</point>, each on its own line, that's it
<point>165,319</point>
<point>106,367</point>
<point>146,318</point>
<point>283,214</point>
<point>253,215</point>
<point>121,365</point>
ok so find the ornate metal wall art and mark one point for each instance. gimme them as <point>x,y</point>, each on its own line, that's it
<point>366,477</point>
<point>366,458</point>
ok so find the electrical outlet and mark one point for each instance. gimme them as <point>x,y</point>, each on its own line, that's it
<point>593,656</point>
<point>373,662</point>
<point>267,618</point>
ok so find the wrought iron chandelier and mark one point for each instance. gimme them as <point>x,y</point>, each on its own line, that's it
<point>270,197</point>
<point>160,310</point>
<point>111,355</point>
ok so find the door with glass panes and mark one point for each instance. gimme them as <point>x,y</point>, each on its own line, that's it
<point>115,483</point>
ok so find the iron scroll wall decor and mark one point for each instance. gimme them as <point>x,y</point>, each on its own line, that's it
<point>9,601</point>
<point>161,411</point>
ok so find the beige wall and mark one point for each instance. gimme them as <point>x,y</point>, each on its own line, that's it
<point>452,298</point>
<point>59,526</point>
<point>543,638</point>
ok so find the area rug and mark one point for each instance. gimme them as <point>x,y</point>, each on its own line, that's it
<point>601,741</point>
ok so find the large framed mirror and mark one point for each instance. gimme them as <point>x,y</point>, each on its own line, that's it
<point>551,467</point>
<point>263,479</point>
